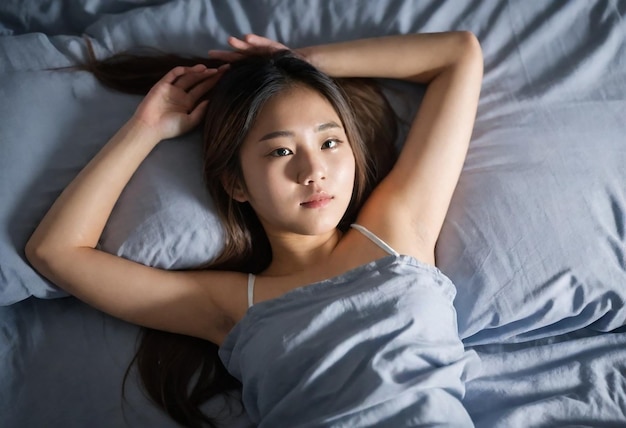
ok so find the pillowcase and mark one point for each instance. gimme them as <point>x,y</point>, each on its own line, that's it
<point>165,216</point>
<point>534,237</point>
<point>51,124</point>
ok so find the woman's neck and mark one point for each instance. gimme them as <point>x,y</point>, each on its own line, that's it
<point>297,253</point>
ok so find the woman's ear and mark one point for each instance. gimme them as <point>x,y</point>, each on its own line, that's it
<point>234,188</point>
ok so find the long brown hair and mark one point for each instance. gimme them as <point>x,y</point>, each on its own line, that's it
<point>180,373</point>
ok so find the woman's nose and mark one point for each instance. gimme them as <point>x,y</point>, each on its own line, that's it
<point>312,169</point>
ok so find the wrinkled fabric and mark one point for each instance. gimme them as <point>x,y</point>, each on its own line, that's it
<point>376,346</point>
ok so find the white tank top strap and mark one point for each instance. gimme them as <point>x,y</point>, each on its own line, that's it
<point>251,279</point>
<point>375,239</point>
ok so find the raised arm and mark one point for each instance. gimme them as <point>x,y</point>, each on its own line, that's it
<point>408,207</point>
<point>62,248</point>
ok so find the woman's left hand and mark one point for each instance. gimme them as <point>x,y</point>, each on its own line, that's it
<point>250,44</point>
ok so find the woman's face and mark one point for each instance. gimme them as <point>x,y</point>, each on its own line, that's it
<point>297,164</point>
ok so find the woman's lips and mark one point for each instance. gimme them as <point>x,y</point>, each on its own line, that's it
<point>317,202</point>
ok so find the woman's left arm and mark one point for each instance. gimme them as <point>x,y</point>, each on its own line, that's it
<point>417,192</point>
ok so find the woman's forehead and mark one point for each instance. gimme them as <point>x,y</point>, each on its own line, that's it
<point>297,109</point>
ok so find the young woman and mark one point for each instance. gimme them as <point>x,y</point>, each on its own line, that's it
<point>325,305</point>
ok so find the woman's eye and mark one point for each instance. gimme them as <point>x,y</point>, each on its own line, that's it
<point>330,144</point>
<point>281,152</point>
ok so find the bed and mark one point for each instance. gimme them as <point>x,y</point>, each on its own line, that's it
<point>535,238</point>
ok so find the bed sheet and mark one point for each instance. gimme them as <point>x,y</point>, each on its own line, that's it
<point>534,240</point>
<point>578,379</point>
<point>62,363</point>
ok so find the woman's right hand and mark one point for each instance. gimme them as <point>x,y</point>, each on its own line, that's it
<point>250,44</point>
<point>174,105</point>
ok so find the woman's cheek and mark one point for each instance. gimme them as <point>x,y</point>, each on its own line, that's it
<point>345,171</point>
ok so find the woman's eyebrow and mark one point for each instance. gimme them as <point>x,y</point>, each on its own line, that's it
<point>327,125</point>
<point>319,128</point>
<point>277,134</point>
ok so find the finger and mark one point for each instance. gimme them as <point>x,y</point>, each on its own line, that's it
<point>238,44</point>
<point>203,87</point>
<point>254,39</point>
<point>190,79</point>
<point>227,56</point>
<point>197,113</point>
<point>260,41</point>
<point>173,74</point>
<point>179,71</point>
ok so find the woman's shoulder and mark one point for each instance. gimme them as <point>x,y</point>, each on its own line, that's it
<point>379,230</point>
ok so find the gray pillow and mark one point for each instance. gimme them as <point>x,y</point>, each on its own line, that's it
<point>165,217</point>
<point>51,124</point>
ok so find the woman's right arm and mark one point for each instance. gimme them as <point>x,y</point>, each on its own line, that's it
<point>63,247</point>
